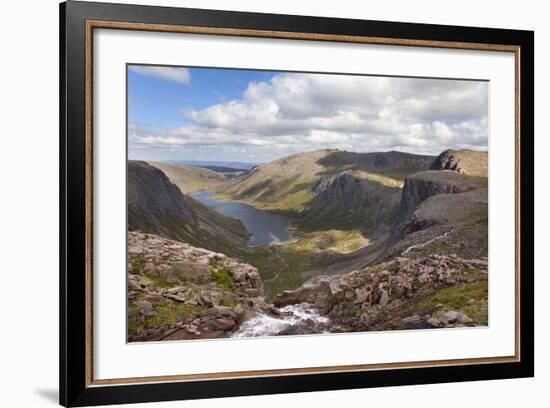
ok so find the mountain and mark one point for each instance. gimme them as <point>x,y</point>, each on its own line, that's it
<point>156,205</point>
<point>352,200</point>
<point>287,184</point>
<point>436,211</point>
<point>284,184</point>
<point>191,179</point>
<point>469,162</point>
<point>380,241</point>
<point>396,165</point>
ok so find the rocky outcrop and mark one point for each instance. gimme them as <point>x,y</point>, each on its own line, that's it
<point>318,294</point>
<point>421,186</point>
<point>157,206</point>
<point>441,204</point>
<point>469,162</point>
<point>381,297</point>
<point>177,291</point>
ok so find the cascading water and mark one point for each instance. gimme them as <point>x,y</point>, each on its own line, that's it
<point>292,315</point>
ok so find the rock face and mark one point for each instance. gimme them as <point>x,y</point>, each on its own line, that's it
<point>380,297</point>
<point>156,205</point>
<point>347,200</point>
<point>421,186</point>
<point>469,162</point>
<point>441,210</point>
<point>178,291</point>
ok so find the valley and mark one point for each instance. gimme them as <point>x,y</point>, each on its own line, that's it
<point>329,241</point>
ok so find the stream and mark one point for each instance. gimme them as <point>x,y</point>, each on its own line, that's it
<point>292,315</point>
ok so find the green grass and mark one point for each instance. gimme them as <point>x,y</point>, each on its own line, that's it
<point>138,262</point>
<point>384,180</point>
<point>459,298</point>
<point>220,275</point>
<point>159,282</point>
<point>228,301</point>
<point>166,314</point>
<point>331,241</point>
<point>279,268</point>
<point>290,198</point>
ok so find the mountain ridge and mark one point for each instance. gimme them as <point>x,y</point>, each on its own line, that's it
<point>156,205</point>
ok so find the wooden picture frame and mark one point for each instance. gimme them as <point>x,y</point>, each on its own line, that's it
<point>78,20</point>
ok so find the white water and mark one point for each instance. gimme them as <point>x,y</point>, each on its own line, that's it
<point>414,247</point>
<point>265,325</point>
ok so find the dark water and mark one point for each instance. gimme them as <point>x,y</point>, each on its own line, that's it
<point>266,228</point>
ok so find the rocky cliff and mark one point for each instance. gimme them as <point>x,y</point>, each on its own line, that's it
<point>421,186</point>
<point>441,211</point>
<point>156,205</point>
<point>348,200</point>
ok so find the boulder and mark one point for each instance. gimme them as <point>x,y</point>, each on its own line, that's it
<point>416,319</point>
<point>315,293</point>
<point>219,311</point>
<point>463,319</point>
<point>222,324</point>
<point>145,307</point>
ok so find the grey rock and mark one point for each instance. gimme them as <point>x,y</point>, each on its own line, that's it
<point>451,316</point>
<point>383,298</point>
<point>415,319</point>
<point>223,324</point>
<point>145,307</point>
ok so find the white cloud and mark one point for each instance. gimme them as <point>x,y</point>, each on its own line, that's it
<point>180,75</point>
<point>297,112</point>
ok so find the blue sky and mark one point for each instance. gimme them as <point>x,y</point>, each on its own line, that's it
<point>159,103</point>
<point>216,114</point>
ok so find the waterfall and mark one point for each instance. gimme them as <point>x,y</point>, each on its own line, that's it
<point>264,325</point>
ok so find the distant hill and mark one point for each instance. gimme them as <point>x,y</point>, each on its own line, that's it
<point>222,169</point>
<point>157,206</point>
<point>393,164</point>
<point>287,184</point>
<point>203,163</point>
<point>284,184</point>
<point>191,179</point>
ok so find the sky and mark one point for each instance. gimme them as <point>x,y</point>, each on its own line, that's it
<point>216,114</point>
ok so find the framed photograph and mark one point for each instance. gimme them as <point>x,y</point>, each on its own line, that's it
<point>256,203</point>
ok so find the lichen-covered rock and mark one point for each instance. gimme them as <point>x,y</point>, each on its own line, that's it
<point>178,291</point>
<point>379,297</point>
